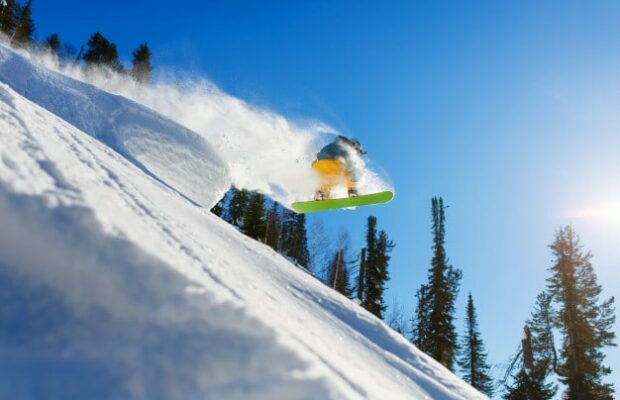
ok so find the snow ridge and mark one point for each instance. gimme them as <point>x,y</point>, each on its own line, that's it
<point>167,150</point>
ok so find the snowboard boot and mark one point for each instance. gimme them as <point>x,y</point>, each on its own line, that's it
<point>320,195</point>
<point>353,192</point>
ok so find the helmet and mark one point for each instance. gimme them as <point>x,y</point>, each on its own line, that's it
<point>353,143</point>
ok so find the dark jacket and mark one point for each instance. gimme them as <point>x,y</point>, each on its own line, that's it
<point>340,151</point>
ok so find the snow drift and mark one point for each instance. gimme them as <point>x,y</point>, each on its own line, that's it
<point>177,155</point>
<point>114,286</point>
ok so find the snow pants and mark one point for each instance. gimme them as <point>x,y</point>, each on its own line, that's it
<point>333,173</point>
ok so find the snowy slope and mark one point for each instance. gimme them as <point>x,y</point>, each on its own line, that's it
<point>115,285</point>
<point>178,156</point>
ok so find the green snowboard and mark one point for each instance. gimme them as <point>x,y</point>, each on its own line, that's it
<point>304,207</point>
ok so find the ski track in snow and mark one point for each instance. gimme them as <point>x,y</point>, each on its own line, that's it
<point>114,285</point>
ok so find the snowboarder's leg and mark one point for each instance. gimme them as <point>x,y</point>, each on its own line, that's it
<point>332,174</point>
<point>351,185</point>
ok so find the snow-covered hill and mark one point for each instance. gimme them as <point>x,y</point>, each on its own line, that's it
<point>115,283</point>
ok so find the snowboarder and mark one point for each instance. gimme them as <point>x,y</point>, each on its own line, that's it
<point>335,165</point>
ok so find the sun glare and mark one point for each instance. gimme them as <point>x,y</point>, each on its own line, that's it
<point>608,213</point>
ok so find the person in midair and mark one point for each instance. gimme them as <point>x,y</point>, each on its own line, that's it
<point>335,166</point>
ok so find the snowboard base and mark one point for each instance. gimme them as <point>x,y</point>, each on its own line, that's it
<point>303,207</point>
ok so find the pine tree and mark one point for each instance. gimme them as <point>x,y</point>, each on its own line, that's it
<point>338,274</point>
<point>254,217</point>
<point>342,283</point>
<point>378,248</point>
<point>218,208</point>
<point>543,346</point>
<point>100,51</point>
<point>236,206</point>
<point>384,248</point>
<point>297,247</point>
<point>538,356</point>
<point>9,13</point>
<point>319,248</point>
<point>141,64</point>
<point>529,383</point>
<point>585,323</point>
<point>438,337</point>
<point>526,388</point>
<point>420,330</point>
<point>371,262</point>
<point>52,43</point>
<point>473,358</point>
<point>272,227</point>
<point>22,35</point>
<point>287,219</point>
<point>360,277</point>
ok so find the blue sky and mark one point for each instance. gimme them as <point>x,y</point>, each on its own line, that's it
<point>506,109</point>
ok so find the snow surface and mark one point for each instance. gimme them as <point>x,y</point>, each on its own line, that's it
<point>178,156</point>
<point>116,284</point>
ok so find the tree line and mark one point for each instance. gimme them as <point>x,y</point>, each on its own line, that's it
<point>570,308</point>
<point>333,263</point>
<point>17,24</point>
<point>272,224</point>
